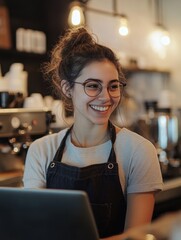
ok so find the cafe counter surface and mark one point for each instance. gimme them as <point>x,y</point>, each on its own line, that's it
<point>11,178</point>
<point>169,199</point>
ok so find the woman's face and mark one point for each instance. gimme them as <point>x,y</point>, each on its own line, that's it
<point>96,109</point>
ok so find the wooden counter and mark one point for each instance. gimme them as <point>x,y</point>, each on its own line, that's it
<point>171,189</point>
<point>169,199</point>
<point>11,178</point>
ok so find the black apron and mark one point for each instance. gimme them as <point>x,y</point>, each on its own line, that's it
<point>100,181</point>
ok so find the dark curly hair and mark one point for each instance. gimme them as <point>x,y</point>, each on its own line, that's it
<point>70,55</point>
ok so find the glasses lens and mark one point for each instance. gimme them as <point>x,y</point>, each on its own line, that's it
<point>92,88</point>
<point>115,89</point>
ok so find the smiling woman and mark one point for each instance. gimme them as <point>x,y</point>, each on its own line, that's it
<point>117,168</point>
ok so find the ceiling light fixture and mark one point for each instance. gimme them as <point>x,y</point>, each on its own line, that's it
<point>163,34</point>
<point>76,15</point>
<point>123,29</point>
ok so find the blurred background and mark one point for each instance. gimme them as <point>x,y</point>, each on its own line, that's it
<point>145,34</point>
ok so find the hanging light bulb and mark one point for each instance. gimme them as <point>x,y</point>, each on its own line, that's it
<point>165,38</point>
<point>76,15</point>
<point>160,40</point>
<point>162,35</point>
<point>123,29</point>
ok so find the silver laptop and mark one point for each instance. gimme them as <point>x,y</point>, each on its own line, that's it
<point>45,214</point>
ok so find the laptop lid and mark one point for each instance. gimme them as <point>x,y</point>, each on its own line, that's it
<point>35,214</point>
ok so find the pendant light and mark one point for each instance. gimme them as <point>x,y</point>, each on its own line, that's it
<point>162,32</point>
<point>123,29</point>
<point>76,15</point>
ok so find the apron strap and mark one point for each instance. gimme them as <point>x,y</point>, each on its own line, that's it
<point>112,156</point>
<point>112,132</point>
<point>60,150</point>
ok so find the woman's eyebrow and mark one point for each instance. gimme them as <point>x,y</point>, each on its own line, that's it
<point>93,79</point>
<point>99,80</point>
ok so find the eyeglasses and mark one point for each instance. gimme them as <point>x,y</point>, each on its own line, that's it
<point>93,88</point>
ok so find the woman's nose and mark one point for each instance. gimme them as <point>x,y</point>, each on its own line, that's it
<point>104,93</point>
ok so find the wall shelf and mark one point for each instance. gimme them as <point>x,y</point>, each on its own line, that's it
<point>133,70</point>
<point>7,53</point>
<point>42,15</point>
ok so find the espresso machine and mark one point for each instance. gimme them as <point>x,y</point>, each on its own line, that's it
<point>161,127</point>
<point>19,127</point>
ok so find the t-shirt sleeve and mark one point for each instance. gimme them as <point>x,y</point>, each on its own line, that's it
<point>144,173</point>
<point>34,172</point>
<point>40,153</point>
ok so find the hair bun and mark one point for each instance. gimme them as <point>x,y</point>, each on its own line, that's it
<point>74,38</point>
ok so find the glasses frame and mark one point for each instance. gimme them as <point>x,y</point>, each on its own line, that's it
<point>101,87</point>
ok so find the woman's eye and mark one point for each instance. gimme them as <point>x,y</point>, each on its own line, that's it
<point>114,86</point>
<point>92,85</point>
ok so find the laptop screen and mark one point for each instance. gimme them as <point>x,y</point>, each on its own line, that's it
<point>35,214</point>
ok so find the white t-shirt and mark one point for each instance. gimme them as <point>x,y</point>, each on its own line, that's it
<point>139,169</point>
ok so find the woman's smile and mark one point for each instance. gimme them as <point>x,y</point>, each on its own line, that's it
<point>99,108</point>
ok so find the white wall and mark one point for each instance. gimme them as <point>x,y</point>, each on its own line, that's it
<point>141,15</point>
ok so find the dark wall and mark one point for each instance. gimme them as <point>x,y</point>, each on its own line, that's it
<point>44,15</point>
<point>56,15</point>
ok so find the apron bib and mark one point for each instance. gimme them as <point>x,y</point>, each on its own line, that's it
<point>101,183</point>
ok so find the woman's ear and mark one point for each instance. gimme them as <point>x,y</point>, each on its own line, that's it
<point>66,88</point>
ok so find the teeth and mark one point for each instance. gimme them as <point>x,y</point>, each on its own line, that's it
<point>98,108</point>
